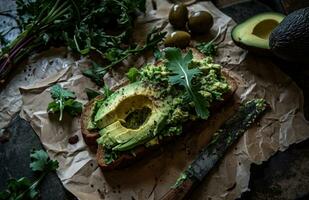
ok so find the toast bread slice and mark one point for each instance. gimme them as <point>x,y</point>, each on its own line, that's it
<point>141,151</point>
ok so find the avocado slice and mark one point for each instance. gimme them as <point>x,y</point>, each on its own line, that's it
<point>253,34</point>
<point>290,40</point>
<point>131,116</point>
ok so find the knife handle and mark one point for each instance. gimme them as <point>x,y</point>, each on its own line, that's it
<point>181,191</point>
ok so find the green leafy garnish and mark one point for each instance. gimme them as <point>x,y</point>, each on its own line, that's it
<point>209,48</point>
<point>182,75</point>
<point>24,188</point>
<point>95,73</point>
<point>41,162</point>
<point>103,27</point>
<point>116,55</point>
<point>63,101</point>
<point>107,91</point>
<point>133,74</point>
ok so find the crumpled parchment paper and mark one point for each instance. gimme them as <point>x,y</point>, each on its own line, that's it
<point>152,177</point>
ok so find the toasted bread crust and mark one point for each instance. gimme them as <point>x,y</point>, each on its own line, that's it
<point>141,151</point>
<point>90,137</point>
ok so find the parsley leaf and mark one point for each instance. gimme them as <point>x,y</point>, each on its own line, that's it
<point>182,75</point>
<point>24,188</point>
<point>41,162</point>
<point>133,74</point>
<point>63,101</point>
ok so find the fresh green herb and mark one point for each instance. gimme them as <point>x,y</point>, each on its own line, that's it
<point>91,94</point>
<point>95,73</point>
<point>116,55</point>
<point>84,26</point>
<point>107,91</point>
<point>157,54</point>
<point>182,75</point>
<point>209,48</point>
<point>23,188</point>
<point>34,27</point>
<point>133,74</point>
<point>64,101</point>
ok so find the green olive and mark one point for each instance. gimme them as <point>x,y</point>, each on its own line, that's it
<point>200,22</point>
<point>179,39</point>
<point>178,16</point>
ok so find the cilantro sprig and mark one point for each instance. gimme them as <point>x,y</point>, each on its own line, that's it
<point>63,101</point>
<point>24,188</point>
<point>182,75</point>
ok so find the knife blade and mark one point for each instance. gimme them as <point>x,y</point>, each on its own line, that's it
<point>229,132</point>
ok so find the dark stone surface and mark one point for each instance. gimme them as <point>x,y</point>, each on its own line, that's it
<point>284,176</point>
<point>15,160</point>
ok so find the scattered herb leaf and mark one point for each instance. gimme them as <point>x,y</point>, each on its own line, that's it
<point>24,188</point>
<point>41,162</point>
<point>183,76</point>
<point>95,73</point>
<point>209,48</point>
<point>133,74</point>
<point>63,101</point>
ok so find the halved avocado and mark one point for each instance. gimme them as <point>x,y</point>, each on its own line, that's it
<point>131,116</point>
<point>253,34</point>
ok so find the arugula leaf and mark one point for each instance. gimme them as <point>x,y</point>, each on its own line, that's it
<point>63,101</point>
<point>24,188</point>
<point>182,75</point>
<point>95,73</point>
<point>132,74</point>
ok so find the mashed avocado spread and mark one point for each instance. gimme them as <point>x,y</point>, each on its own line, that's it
<point>146,111</point>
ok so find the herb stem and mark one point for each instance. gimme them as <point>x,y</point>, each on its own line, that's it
<point>33,186</point>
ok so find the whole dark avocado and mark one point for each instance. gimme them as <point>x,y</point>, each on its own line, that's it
<point>290,39</point>
<point>200,22</point>
<point>178,16</point>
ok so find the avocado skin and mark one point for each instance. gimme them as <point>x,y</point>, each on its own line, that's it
<point>290,39</point>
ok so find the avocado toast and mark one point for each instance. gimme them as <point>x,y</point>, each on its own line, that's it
<point>141,116</point>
